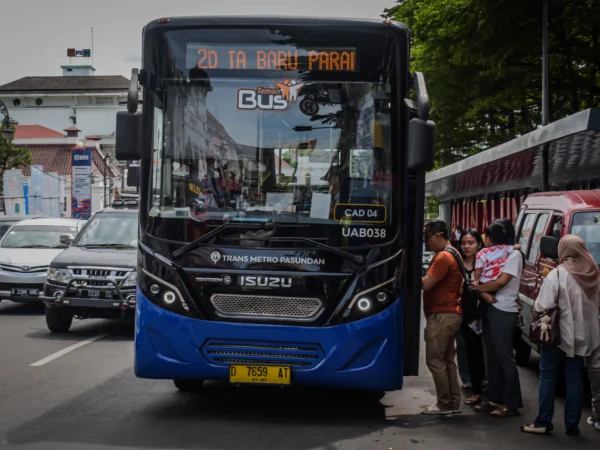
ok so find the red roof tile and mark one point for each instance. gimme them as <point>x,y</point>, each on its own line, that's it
<point>36,132</point>
<point>72,129</point>
<point>57,158</point>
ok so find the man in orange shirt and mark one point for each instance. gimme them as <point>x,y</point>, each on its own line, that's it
<point>442,290</point>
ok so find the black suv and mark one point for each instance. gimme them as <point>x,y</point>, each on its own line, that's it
<point>96,276</point>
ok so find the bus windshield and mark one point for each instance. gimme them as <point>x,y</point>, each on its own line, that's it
<point>275,131</point>
<point>228,158</point>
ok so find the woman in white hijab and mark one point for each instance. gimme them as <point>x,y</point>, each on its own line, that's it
<point>573,287</point>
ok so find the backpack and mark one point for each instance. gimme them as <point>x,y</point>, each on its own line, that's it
<point>463,270</point>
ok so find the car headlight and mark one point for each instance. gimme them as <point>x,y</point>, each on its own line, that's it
<point>59,275</point>
<point>131,280</point>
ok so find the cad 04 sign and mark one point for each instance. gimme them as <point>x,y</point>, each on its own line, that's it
<point>81,197</point>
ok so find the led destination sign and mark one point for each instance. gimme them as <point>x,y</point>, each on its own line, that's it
<point>243,57</point>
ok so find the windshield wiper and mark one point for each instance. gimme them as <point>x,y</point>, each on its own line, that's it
<point>336,251</point>
<point>106,246</point>
<point>34,246</point>
<point>196,243</point>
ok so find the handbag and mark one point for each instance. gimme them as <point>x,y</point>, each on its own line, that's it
<point>545,326</point>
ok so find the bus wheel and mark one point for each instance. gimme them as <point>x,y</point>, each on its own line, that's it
<point>189,385</point>
<point>522,352</point>
<point>58,321</point>
<point>375,395</point>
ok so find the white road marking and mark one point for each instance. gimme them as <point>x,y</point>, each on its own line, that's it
<point>64,351</point>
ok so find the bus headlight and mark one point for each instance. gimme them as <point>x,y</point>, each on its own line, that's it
<point>364,304</point>
<point>368,301</point>
<point>162,293</point>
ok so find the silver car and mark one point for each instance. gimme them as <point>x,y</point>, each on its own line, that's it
<point>26,251</point>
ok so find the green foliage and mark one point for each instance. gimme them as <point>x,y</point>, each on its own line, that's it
<point>482,63</point>
<point>290,158</point>
<point>12,157</point>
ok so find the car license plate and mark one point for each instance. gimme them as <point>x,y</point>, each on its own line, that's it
<point>25,292</point>
<point>259,374</point>
<point>96,293</point>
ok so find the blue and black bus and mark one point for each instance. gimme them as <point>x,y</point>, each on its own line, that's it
<point>282,167</point>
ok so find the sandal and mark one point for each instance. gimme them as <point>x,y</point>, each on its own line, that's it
<point>434,410</point>
<point>473,400</point>
<point>505,412</point>
<point>537,430</point>
<point>486,407</point>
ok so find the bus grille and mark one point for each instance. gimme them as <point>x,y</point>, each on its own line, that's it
<point>224,352</point>
<point>266,307</point>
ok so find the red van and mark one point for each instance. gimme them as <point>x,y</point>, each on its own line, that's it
<point>543,219</point>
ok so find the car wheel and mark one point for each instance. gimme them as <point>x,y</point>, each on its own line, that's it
<point>58,320</point>
<point>522,352</point>
<point>188,385</point>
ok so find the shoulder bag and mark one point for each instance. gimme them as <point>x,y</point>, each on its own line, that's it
<point>545,326</point>
<point>461,266</point>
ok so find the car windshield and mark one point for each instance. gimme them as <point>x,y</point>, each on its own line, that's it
<point>38,236</point>
<point>4,226</point>
<point>586,225</point>
<point>110,229</point>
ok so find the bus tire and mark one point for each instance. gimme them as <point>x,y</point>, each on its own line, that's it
<point>188,385</point>
<point>522,352</point>
<point>58,321</point>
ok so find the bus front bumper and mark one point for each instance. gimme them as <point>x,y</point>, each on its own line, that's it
<point>366,354</point>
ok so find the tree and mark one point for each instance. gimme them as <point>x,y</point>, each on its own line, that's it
<point>482,62</point>
<point>12,157</point>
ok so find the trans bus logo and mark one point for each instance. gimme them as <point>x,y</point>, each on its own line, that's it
<point>276,98</point>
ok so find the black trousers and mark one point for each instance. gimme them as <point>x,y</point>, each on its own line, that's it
<point>503,376</point>
<point>474,347</point>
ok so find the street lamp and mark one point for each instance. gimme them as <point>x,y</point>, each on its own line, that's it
<point>7,123</point>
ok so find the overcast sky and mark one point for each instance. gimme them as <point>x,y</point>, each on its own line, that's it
<point>35,34</point>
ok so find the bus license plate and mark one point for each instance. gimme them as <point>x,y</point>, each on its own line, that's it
<point>259,374</point>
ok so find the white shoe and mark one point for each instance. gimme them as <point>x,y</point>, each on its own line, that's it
<point>594,423</point>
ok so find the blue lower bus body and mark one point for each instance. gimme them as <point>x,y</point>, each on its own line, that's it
<point>365,354</point>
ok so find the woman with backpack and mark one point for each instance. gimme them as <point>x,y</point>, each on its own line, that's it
<point>571,294</point>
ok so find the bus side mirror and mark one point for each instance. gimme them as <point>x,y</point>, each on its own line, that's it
<point>421,130</point>
<point>549,247</point>
<point>421,144</point>
<point>128,140</point>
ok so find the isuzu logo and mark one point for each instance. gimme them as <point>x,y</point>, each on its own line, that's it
<point>266,281</point>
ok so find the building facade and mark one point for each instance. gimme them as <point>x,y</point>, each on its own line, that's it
<point>77,98</point>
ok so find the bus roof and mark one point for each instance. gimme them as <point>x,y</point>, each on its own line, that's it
<point>174,23</point>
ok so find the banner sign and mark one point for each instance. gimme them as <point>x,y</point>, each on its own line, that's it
<point>36,187</point>
<point>81,187</point>
<point>26,195</point>
<point>14,197</point>
<point>51,195</point>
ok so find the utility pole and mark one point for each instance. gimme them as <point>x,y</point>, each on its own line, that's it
<point>105,170</point>
<point>545,97</point>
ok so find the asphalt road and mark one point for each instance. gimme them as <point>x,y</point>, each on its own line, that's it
<point>78,392</point>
